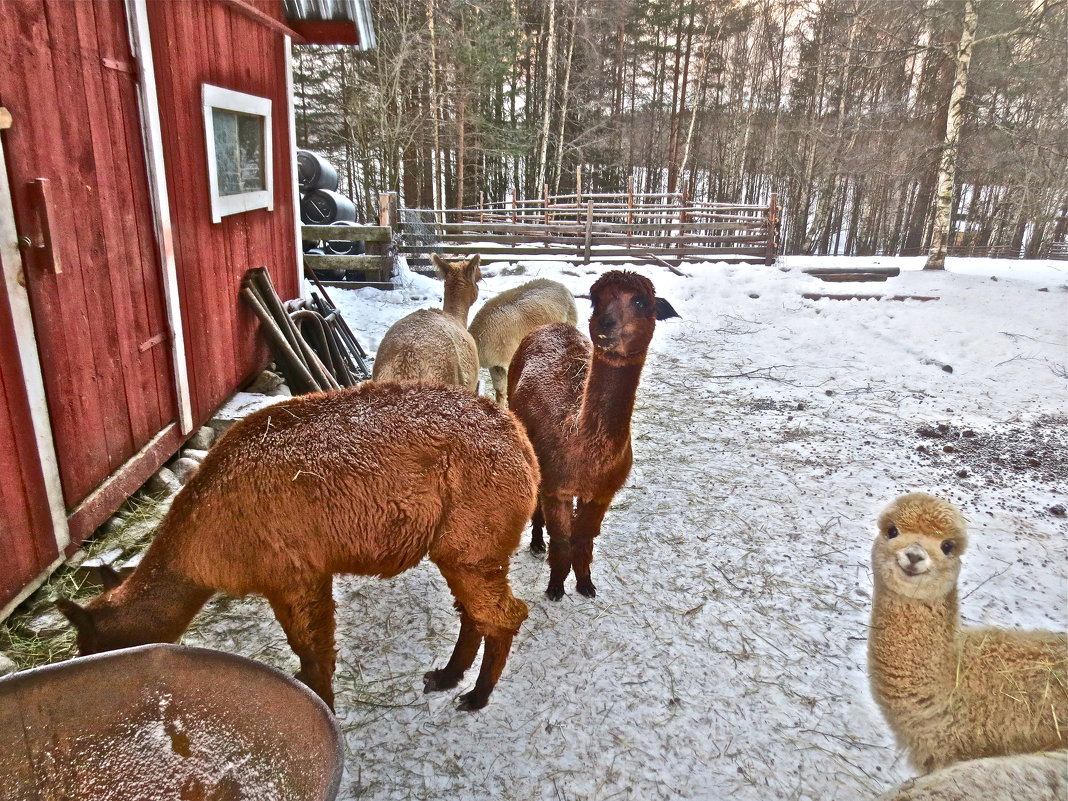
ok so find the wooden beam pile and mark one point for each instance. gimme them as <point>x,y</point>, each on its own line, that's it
<point>328,358</point>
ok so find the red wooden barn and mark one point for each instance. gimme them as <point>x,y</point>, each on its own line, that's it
<point>147,160</point>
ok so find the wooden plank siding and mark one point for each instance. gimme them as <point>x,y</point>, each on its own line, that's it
<point>217,46</point>
<point>72,111</point>
<point>26,539</point>
<point>69,80</point>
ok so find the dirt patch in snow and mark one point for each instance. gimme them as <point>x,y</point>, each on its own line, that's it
<point>1008,452</point>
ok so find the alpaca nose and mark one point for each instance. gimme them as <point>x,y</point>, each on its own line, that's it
<point>606,324</point>
<point>914,557</point>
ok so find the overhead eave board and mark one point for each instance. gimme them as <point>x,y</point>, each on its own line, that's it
<point>345,22</point>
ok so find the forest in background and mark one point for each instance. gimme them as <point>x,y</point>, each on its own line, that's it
<point>839,106</point>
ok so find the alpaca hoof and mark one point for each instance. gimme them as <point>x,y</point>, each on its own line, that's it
<point>537,548</point>
<point>585,587</point>
<point>554,593</point>
<point>436,680</point>
<point>471,702</point>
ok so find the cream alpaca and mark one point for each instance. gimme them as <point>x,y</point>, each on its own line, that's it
<point>1034,777</point>
<point>948,693</point>
<point>433,344</point>
<point>501,324</point>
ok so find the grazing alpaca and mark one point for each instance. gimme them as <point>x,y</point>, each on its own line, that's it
<point>1022,777</point>
<point>433,344</point>
<point>575,400</point>
<point>367,480</point>
<point>501,324</point>
<point>948,693</point>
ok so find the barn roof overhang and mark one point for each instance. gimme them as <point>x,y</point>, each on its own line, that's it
<point>345,22</point>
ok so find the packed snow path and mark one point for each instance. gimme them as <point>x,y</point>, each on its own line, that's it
<point>724,654</point>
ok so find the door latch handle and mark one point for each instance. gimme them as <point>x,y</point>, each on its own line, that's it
<point>43,238</point>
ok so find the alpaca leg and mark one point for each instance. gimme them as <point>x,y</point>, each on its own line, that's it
<point>306,613</point>
<point>499,377</point>
<point>462,656</point>
<point>497,614</point>
<point>558,521</point>
<point>494,658</point>
<point>588,517</point>
<point>537,523</point>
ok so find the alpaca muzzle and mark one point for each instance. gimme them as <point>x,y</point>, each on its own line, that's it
<point>914,560</point>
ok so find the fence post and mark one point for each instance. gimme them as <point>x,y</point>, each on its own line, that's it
<point>630,208</point>
<point>589,230</point>
<point>773,228</point>
<point>389,216</point>
<point>578,184</point>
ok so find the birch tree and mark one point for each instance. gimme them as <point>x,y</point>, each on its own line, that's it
<point>947,166</point>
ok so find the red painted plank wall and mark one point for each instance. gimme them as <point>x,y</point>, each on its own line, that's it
<point>66,77</point>
<point>194,44</point>
<point>27,545</point>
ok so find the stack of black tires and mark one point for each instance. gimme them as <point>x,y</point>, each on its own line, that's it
<point>322,204</point>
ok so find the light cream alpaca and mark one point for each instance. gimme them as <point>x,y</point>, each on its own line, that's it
<point>501,324</point>
<point>948,693</point>
<point>1022,777</point>
<point>434,344</point>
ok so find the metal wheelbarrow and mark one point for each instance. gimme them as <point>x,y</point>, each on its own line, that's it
<point>165,723</point>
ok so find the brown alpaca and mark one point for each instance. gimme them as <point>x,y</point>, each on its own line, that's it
<point>575,400</point>
<point>367,480</point>
<point>951,694</point>
<point>433,344</point>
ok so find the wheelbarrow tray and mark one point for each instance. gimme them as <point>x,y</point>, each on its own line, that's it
<point>163,722</point>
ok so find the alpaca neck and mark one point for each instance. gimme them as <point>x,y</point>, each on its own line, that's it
<point>158,598</point>
<point>608,399</point>
<point>456,308</point>
<point>914,643</point>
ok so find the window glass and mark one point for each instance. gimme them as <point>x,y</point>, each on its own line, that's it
<point>238,152</point>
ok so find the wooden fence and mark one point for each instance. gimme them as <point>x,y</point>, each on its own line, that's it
<point>631,227</point>
<point>1058,250</point>
<point>595,227</point>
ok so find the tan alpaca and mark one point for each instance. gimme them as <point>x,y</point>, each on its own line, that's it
<point>501,324</point>
<point>433,344</point>
<point>1022,777</point>
<point>948,693</point>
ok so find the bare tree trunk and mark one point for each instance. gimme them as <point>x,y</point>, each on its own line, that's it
<point>435,113</point>
<point>550,80</point>
<point>947,167</point>
<point>563,103</point>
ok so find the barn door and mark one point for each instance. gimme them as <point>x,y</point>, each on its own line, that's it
<point>82,209</point>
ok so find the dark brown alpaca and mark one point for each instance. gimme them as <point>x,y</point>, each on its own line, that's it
<point>368,481</point>
<point>575,400</point>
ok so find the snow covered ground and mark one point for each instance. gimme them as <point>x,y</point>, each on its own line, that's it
<point>724,656</point>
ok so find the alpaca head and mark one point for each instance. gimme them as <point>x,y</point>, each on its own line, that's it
<point>461,278</point>
<point>918,548</point>
<point>625,311</point>
<point>102,625</point>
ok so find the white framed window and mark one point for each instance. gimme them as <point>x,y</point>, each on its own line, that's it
<point>237,129</point>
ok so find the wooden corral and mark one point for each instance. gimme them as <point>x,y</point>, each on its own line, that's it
<point>600,227</point>
<point>120,325</point>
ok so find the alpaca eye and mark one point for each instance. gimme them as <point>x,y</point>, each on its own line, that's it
<point>891,532</point>
<point>948,547</point>
<point>640,303</point>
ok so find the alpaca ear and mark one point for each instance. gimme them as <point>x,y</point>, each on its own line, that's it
<point>472,268</point>
<point>441,265</point>
<point>81,619</point>
<point>664,310</point>
<point>108,577</point>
